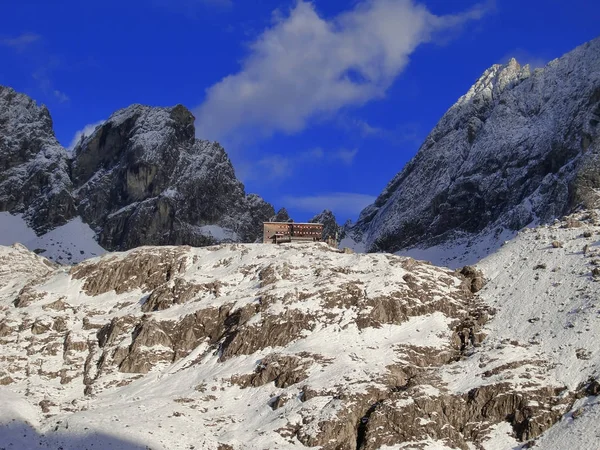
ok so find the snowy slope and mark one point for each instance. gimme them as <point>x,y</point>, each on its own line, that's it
<point>67,244</point>
<point>259,346</point>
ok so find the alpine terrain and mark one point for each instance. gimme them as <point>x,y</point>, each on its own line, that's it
<point>140,178</point>
<point>179,337</point>
<point>292,346</point>
<point>519,148</point>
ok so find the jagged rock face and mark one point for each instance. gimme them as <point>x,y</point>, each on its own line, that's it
<point>518,148</point>
<point>281,216</point>
<point>142,178</point>
<point>330,225</point>
<point>34,172</point>
<point>265,346</point>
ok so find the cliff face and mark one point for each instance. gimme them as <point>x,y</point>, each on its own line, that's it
<point>34,168</point>
<point>518,148</point>
<point>141,178</point>
<point>330,225</point>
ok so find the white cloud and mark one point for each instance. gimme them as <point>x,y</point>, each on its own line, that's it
<point>21,42</point>
<point>345,156</point>
<point>85,131</point>
<point>277,167</point>
<point>60,96</point>
<point>273,167</point>
<point>341,203</point>
<point>304,66</point>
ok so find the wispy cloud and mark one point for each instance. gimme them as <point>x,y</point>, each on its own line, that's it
<point>305,67</point>
<point>341,203</point>
<point>21,42</point>
<point>43,63</point>
<point>405,134</point>
<point>345,156</point>
<point>277,167</point>
<point>85,131</point>
<point>60,96</point>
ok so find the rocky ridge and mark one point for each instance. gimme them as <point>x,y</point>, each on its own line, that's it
<point>140,178</point>
<point>34,168</point>
<point>258,346</point>
<point>519,148</point>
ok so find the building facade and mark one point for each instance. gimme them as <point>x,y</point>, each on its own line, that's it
<point>278,232</point>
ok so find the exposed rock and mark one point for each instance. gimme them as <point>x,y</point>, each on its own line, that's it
<point>281,216</point>
<point>328,349</point>
<point>178,292</point>
<point>282,370</point>
<point>140,268</point>
<point>34,168</point>
<point>475,278</point>
<point>330,225</point>
<point>141,178</point>
<point>519,147</point>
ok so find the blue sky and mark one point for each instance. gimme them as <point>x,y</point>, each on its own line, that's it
<point>319,104</point>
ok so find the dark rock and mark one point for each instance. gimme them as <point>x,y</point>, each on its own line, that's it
<point>141,178</point>
<point>518,146</point>
<point>281,216</point>
<point>330,225</point>
<point>34,168</point>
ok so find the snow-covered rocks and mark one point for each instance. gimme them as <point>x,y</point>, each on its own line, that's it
<point>519,148</point>
<point>260,346</point>
<point>34,172</point>
<point>140,178</point>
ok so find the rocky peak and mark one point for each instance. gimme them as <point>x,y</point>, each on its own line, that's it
<point>150,132</point>
<point>143,169</point>
<point>21,118</point>
<point>330,225</point>
<point>281,216</point>
<point>140,178</point>
<point>34,172</point>
<point>494,81</point>
<point>518,148</point>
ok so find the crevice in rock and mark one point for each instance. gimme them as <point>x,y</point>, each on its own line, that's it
<point>363,423</point>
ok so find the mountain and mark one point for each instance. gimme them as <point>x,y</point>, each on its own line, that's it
<point>34,168</point>
<point>330,225</point>
<point>141,178</point>
<point>519,148</point>
<point>262,346</point>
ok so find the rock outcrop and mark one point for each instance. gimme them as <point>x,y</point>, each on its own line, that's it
<point>519,148</point>
<point>265,346</point>
<point>34,168</point>
<point>330,225</point>
<point>141,178</point>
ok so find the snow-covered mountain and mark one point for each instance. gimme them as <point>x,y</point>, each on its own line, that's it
<point>140,178</point>
<point>259,346</point>
<point>34,168</point>
<point>519,148</point>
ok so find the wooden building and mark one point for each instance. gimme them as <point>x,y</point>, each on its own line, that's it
<point>278,232</point>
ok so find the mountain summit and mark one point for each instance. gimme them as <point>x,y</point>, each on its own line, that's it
<point>519,148</point>
<point>140,178</point>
